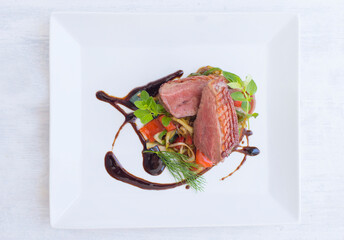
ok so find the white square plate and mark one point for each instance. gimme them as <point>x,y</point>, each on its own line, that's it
<point>117,52</point>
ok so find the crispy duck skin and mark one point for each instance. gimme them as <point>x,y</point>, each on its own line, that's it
<point>216,124</point>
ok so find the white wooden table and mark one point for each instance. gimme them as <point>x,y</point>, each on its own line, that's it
<point>24,118</point>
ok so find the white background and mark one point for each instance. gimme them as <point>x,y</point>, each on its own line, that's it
<point>24,119</point>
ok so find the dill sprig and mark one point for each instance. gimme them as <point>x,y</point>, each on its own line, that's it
<point>180,169</point>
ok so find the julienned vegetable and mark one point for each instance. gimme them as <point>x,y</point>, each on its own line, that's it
<point>188,140</point>
<point>151,128</point>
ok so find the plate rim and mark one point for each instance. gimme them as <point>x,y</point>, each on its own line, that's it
<point>55,15</point>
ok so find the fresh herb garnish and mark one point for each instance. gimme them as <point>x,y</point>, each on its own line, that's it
<point>238,96</point>
<point>166,121</point>
<point>149,109</point>
<point>246,89</point>
<point>251,87</point>
<point>245,94</point>
<point>213,70</point>
<point>231,77</point>
<point>180,169</point>
<point>255,115</point>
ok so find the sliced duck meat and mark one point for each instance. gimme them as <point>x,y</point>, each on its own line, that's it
<point>181,97</point>
<point>216,124</point>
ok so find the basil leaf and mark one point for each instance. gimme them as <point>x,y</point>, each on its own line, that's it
<point>238,96</point>
<point>140,105</point>
<point>154,108</point>
<point>146,119</point>
<point>246,106</point>
<point>141,113</point>
<point>251,87</point>
<point>144,95</point>
<point>160,108</point>
<point>166,121</point>
<point>211,70</point>
<point>247,80</point>
<point>234,85</point>
<point>231,77</point>
<point>151,105</point>
<point>255,115</point>
<point>149,102</point>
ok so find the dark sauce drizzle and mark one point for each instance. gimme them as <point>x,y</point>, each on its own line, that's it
<point>246,150</point>
<point>151,162</point>
<point>115,169</point>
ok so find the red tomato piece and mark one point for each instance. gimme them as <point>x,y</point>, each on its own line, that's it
<point>188,140</point>
<point>152,128</point>
<point>202,160</point>
<point>170,126</point>
<point>237,103</point>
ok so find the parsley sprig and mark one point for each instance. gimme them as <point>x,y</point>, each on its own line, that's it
<point>180,169</point>
<point>148,109</point>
